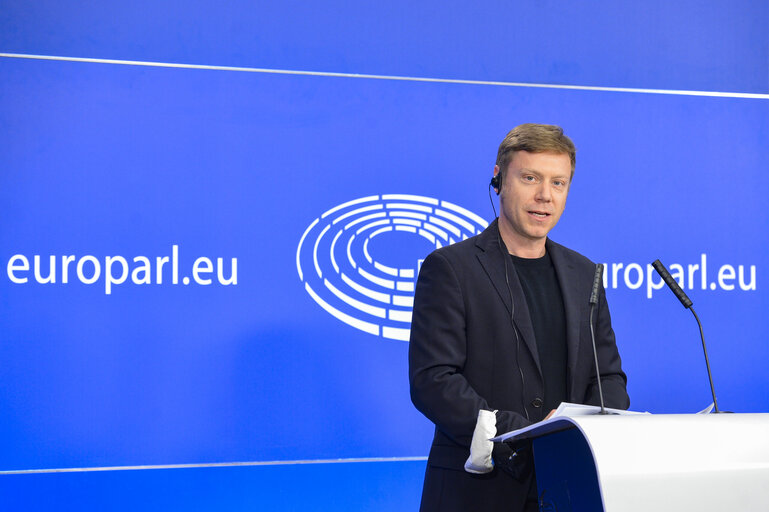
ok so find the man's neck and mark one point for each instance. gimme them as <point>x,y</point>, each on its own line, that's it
<point>521,246</point>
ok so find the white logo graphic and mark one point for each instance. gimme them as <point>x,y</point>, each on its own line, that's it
<point>339,272</point>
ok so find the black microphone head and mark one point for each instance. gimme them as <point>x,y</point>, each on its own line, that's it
<point>672,284</point>
<point>597,277</point>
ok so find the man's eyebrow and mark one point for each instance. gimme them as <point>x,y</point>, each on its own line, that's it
<point>540,175</point>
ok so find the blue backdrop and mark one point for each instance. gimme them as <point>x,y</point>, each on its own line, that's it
<point>114,166</point>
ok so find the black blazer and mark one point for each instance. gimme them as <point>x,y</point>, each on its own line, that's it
<point>464,355</point>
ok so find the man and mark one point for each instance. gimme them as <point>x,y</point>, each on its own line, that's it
<point>500,323</point>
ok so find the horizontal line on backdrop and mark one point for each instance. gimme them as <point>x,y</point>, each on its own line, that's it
<point>214,465</point>
<point>713,94</point>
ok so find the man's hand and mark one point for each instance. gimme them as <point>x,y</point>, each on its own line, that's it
<point>549,415</point>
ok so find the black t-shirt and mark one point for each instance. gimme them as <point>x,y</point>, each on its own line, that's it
<point>543,296</point>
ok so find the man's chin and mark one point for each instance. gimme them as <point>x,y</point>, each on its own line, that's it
<point>539,234</point>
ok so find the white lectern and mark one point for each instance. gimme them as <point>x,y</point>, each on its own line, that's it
<point>652,463</point>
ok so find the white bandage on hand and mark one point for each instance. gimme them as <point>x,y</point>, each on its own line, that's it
<point>480,461</point>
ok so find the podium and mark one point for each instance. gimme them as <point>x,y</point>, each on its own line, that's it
<point>644,462</point>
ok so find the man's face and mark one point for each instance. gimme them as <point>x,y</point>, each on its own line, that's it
<point>533,194</point>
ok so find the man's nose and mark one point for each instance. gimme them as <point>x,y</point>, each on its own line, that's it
<point>544,193</point>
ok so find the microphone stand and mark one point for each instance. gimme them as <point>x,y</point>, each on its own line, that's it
<point>593,301</point>
<point>687,303</point>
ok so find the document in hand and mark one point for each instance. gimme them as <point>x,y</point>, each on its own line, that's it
<point>558,421</point>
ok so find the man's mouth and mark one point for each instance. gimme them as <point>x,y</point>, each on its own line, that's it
<point>538,214</point>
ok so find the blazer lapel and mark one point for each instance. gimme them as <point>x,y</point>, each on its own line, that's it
<point>493,260</point>
<point>574,308</point>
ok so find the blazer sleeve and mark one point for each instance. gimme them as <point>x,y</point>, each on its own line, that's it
<point>613,379</point>
<point>437,355</point>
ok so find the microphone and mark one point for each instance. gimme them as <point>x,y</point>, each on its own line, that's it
<point>687,303</point>
<point>672,284</point>
<point>593,301</point>
<point>596,283</point>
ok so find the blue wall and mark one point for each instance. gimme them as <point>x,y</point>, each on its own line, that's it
<point>115,160</point>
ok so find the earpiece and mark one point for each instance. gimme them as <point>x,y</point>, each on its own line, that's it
<point>496,183</point>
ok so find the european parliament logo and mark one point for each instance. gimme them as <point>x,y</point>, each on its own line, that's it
<point>359,260</point>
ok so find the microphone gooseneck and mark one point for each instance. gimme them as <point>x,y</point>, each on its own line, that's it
<point>687,303</point>
<point>597,277</point>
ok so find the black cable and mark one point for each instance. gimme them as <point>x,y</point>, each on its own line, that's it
<point>492,201</point>
<point>505,256</point>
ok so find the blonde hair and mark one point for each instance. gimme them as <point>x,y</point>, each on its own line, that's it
<point>535,138</point>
